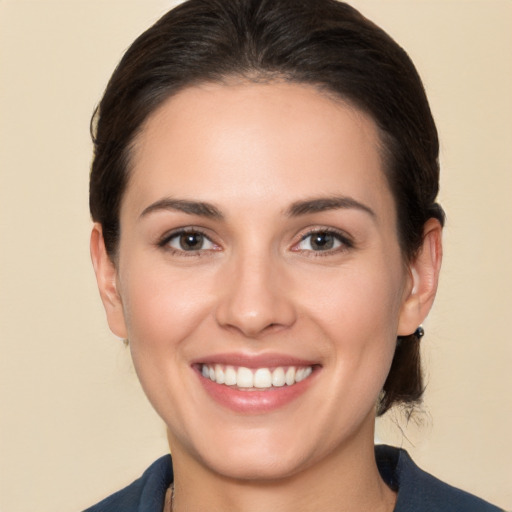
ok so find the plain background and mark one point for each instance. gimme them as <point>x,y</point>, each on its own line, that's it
<point>74,425</point>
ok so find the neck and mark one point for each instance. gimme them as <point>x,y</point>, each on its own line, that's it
<point>346,481</point>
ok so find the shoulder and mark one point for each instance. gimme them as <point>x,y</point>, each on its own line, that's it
<point>146,494</point>
<point>420,491</point>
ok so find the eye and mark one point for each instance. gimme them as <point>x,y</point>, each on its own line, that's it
<point>323,241</point>
<point>189,241</point>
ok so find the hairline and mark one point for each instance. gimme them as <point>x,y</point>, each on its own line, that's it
<point>264,77</point>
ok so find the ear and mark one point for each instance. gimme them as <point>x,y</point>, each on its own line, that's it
<point>106,277</point>
<point>423,279</point>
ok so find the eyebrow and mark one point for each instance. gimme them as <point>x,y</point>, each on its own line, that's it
<point>322,204</point>
<point>298,208</point>
<point>182,205</point>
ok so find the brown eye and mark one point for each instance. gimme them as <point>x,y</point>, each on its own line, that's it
<point>324,241</point>
<point>190,241</point>
<point>320,241</point>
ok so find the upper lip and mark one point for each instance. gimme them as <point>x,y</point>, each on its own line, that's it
<point>267,360</point>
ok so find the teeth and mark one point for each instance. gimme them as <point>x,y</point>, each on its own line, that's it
<point>303,373</point>
<point>229,376</point>
<point>261,378</point>
<point>219,374</point>
<point>278,377</point>
<point>289,377</point>
<point>244,378</point>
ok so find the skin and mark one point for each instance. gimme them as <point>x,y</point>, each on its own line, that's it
<point>258,286</point>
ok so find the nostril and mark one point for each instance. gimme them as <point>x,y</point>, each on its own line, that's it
<point>253,304</point>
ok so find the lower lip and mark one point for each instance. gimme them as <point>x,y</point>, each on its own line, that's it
<point>255,402</point>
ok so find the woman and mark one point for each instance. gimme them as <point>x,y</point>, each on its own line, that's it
<point>267,239</point>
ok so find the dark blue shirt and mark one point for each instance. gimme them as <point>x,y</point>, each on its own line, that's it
<point>417,490</point>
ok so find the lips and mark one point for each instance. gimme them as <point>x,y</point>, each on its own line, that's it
<point>255,384</point>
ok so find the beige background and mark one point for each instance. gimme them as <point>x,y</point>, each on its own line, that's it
<point>74,425</point>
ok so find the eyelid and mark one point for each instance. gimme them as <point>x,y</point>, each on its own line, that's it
<point>163,241</point>
<point>345,240</point>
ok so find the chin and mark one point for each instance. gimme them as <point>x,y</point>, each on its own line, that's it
<point>257,466</point>
<point>256,455</point>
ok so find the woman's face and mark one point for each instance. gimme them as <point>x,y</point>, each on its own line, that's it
<point>259,278</point>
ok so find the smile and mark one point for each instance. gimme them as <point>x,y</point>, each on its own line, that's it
<point>255,378</point>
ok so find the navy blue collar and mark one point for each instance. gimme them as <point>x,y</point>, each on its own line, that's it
<point>417,490</point>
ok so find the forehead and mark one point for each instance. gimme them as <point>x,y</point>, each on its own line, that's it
<point>270,141</point>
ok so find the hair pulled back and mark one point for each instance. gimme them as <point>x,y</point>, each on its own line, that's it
<point>324,43</point>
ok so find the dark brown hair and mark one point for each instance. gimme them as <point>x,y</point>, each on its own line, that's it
<point>324,43</point>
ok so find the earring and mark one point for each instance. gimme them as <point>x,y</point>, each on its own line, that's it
<point>419,332</point>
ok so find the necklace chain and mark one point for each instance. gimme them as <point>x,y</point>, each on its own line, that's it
<point>169,500</point>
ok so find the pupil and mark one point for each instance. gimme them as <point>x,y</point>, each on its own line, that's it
<point>191,241</point>
<point>322,241</point>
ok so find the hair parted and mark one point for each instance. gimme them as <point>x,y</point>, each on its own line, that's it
<point>323,43</point>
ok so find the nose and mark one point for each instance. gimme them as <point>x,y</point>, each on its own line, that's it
<point>255,297</point>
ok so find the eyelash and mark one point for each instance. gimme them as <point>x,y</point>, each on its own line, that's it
<point>165,241</point>
<point>345,242</point>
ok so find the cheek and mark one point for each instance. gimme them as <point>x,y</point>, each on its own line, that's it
<point>358,314</point>
<point>355,299</point>
<point>163,305</point>
<point>164,308</point>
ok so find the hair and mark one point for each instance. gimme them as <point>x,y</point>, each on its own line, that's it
<point>323,43</point>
